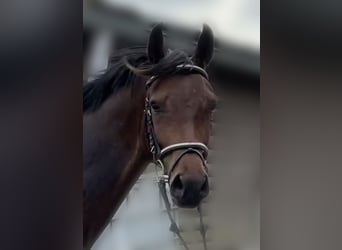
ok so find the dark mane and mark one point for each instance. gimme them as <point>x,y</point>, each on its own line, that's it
<point>123,68</point>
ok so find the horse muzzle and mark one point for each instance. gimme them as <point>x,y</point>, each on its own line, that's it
<point>187,191</point>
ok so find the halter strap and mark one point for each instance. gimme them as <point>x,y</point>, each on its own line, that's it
<point>158,154</point>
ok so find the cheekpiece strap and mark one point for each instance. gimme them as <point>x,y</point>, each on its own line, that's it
<point>151,136</point>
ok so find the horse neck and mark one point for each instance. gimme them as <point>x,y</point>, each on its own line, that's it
<point>116,132</point>
<point>115,154</point>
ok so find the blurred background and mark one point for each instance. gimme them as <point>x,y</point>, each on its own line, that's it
<point>231,212</point>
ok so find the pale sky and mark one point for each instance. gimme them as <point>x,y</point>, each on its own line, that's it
<point>236,21</point>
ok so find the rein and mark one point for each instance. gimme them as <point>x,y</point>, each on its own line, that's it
<point>159,154</point>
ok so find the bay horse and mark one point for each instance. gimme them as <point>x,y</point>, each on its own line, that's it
<point>152,104</point>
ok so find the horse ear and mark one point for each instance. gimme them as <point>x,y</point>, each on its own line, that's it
<point>155,49</point>
<point>205,48</point>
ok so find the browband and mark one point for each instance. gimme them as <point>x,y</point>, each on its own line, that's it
<point>189,67</point>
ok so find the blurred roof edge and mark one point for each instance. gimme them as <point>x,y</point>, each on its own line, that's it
<point>126,22</point>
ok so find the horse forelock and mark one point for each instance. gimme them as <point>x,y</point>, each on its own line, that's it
<point>124,67</point>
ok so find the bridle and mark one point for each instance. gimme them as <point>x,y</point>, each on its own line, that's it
<point>159,154</point>
<point>190,147</point>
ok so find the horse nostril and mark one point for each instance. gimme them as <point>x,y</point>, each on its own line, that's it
<point>177,186</point>
<point>205,188</point>
<point>177,183</point>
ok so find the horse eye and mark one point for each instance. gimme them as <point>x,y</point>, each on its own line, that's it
<point>212,116</point>
<point>155,107</point>
<point>213,107</point>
